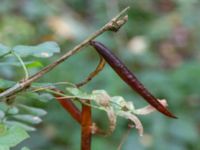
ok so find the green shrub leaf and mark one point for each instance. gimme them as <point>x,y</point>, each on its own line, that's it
<point>4,84</point>
<point>80,94</point>
<point>4,49</point>
<point>14,136</point>
<point>33,110</point>
<point>22,125</point>
<point>28,118</point>
<point>46,49</point>
<point>25,148</point>
<point>4,147</point>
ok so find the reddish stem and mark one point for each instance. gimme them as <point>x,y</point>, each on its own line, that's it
<point>84,118</point>
<point>69,106</point>
<point>86,123</point>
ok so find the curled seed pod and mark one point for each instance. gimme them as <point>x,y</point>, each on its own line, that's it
<point>129,77</point>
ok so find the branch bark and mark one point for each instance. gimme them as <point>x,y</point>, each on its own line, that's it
<point>113,25</point>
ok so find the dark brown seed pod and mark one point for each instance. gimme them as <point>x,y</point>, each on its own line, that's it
<point>128,77</point>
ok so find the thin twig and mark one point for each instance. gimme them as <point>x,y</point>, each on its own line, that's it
<point>100,66</point>
<point>112,25</point>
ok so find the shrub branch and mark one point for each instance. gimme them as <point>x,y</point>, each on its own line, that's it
<point>113,25</point>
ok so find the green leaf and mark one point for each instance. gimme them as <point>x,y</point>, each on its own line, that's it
<point>2,114</point>
<point>45,97</point>
<point>14,136</point>
<point>4,84</point>
<point>25,148</point>
<point>46,49</point>
<point>3,106</point>
<point>13,110</point>
<point>28,118</point>
<point>3,129</point>
<point>4,49</point>
<point>4,147</point>
<point>33,110</point>
<point>80,94</point>
<point>22,125</point>
<point>29,64</point>
<point>33,64</point>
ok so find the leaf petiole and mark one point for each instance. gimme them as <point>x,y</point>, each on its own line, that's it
<point>22,64</point>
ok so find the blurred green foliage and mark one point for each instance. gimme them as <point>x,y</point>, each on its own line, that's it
<point>160,43</point>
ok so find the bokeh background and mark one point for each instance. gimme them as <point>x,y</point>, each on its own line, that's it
<point>160,43</point>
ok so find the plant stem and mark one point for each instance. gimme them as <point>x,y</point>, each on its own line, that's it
<point>113,25</point>
<point>22,64</point>
<point>99,68</point>
<point>69,106</point>
<point>86,124</point>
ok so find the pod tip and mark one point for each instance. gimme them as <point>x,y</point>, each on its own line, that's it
<point>169,114</point>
